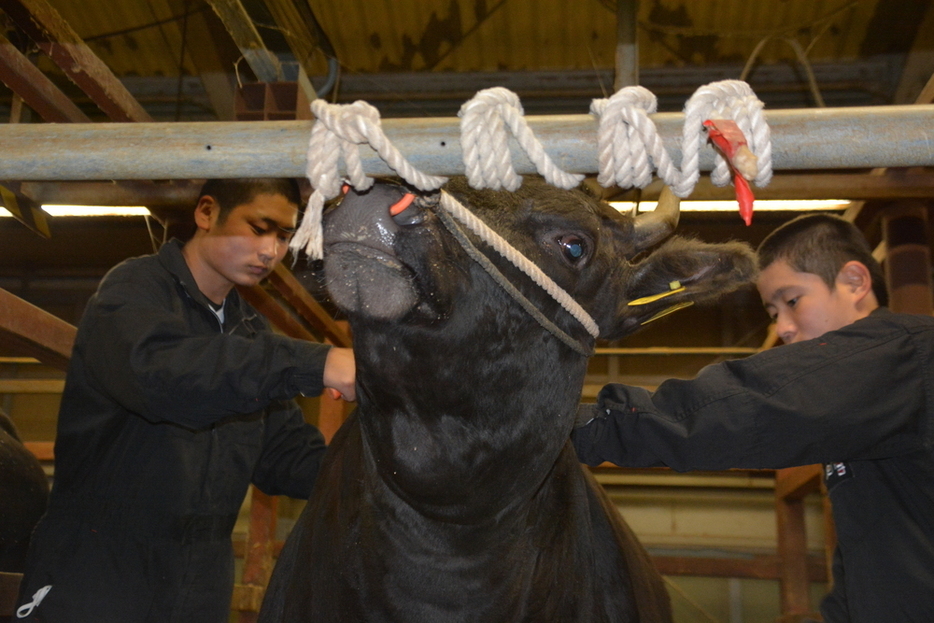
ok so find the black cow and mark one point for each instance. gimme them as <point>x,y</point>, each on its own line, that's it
<point>453,492</point>
<point>24,492</point>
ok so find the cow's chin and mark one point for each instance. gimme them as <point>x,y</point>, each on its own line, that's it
<point>367,282</point>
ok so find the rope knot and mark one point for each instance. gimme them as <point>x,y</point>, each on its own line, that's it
<point>626,137</point>
<point>727,99</point>
<point>485,142</point>
<point>337,131</point>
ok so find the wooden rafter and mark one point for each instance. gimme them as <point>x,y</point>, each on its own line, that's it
<point>264,63</point>
<point>307,307</point>
<point>35,333</point>
<point>40,93</point>
<point>56,38</point>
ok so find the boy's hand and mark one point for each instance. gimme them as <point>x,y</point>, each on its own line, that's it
<point>340,373</point>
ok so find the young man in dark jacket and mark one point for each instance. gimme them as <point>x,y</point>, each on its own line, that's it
<point>852,389</point>
<point>178,396</point>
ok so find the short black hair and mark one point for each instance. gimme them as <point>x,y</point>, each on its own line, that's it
<point>230,193</point>
<point>821,244</point>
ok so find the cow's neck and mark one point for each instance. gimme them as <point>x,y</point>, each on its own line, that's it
<point>465,437</point>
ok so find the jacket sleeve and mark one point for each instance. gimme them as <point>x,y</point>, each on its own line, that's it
<point>859,393</point>
<point>292,453</point>
<point>139,350</point>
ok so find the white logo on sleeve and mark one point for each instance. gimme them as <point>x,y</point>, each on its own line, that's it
<point>26,609</point>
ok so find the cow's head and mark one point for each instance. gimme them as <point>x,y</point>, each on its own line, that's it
<point>457,381</point>
<point>402,265</point>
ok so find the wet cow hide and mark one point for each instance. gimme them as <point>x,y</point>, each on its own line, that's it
<point>453,492</point>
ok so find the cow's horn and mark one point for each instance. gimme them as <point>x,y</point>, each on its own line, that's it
<point>653,227</point>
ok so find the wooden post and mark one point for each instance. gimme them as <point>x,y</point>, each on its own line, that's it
<point>908,257</point>
<point>792,485</point>
<point>258,558</point>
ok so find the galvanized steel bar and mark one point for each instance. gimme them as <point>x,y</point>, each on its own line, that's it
<point>827,138</point>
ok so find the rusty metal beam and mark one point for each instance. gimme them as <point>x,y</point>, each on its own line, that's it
<point>54,36</point>
<point>40,93</point>
<point>32,332</point>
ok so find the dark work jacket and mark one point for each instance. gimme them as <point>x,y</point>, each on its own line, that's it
<point>859,400</point>
<point>165,420</point>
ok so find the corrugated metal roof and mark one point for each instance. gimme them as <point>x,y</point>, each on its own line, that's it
<point>144,37</point>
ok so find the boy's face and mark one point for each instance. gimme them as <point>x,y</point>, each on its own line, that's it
<point>802,305</point>
<point>245,247</point>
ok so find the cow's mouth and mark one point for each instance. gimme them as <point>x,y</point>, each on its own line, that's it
<point>368,281</point>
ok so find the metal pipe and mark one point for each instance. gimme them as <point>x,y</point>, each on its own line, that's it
<point>827,138</point>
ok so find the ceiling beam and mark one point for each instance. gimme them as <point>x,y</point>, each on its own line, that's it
<point>173,201</point>
<point>209,49</point>
<point>56,38</point>
<point>39,93</point>
<point>903,183</point>
<point>265,64</point>
<point>919,62</point>
<point>33,332</point>
<point>298,33</point>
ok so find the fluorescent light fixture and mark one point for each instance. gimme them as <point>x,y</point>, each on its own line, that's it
<point>72,210</point>
<point>802,205</point>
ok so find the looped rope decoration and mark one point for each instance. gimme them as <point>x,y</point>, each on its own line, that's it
<point>336,133</point>
<point>485,144</point>
<point>627,137</point>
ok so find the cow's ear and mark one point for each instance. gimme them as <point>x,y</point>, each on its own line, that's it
<point>680,273</point>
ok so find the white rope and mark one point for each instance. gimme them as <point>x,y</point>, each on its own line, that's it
<point>485,143</point>
<point>337,132</point>
<point>501,246</point>
<point>627,137</point>
<point>628,146</point>
<point>727,99</point>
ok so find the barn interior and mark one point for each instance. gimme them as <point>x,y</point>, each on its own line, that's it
<point>739,546</point>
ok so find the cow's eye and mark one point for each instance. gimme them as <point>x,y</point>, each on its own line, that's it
<point>573,247</point>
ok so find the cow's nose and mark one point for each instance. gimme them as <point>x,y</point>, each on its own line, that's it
<point>363,217</point>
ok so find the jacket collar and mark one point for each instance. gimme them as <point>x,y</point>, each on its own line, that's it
<point>170,255</point>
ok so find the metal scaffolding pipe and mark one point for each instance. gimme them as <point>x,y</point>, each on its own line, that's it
<point>825,138</point>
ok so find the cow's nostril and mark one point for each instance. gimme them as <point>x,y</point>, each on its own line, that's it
<point>407,212</point>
